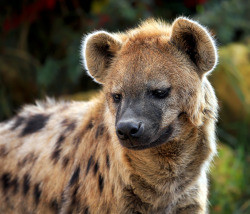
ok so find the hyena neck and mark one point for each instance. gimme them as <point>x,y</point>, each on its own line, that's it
<point>157,176</point>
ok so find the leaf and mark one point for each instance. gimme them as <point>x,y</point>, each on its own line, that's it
<point>47,73</point>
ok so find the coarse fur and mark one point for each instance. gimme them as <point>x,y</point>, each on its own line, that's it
<point>72,157</point>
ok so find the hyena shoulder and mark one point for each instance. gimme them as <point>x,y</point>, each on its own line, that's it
<point>37,152</point>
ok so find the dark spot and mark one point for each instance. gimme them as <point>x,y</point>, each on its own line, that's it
<point>78,138</point>
<point>101,183</point>
<point>75,191</point>
<point>89,164</point>
<point>3,151</point>
<point>65,162</point>
<point>37,193</point>
<point>107,161</point>
<point>18,122</point>
<point>99,131</point>
<point>128,158</point>
<point>15,185</point>
<point>54,205</point>
<point>60,140</point>
<point>74,178</point>
<point>74,200</point>
<point>34,124</point>
<point>29,158</point>
<point>86,210</point>
<point>65,122</point>
<point>6,182</point>
<point>96,167</point>
<point>26,184</point>
<point>71,127</point>
<point>90,125</point>
<point>56,153</point>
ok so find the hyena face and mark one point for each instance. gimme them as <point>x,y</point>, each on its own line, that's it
<point>152,80</point>
<point>143,96</point>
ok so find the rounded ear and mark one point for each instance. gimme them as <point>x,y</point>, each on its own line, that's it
<point>193,39</point>
<point>97,51</point>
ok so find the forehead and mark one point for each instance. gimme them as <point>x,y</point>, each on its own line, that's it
<point>142,64</point>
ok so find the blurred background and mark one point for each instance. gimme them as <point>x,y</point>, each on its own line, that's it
<point>39,56</point>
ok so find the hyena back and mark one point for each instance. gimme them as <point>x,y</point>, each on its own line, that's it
<point>143,145</point>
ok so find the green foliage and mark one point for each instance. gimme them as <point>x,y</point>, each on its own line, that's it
<point>231,175</point>
<point>65,71</point>
<point>228,183</point>
<point>48,72</point>
<point>228,18</point>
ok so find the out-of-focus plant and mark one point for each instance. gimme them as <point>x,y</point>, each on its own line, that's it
<point>231,178</point>
<point>228,183</point>
<point>228,18</point>
<point>39,51</point>
<point>232,83</point>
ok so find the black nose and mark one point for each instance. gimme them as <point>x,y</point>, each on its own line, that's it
<point>129,129</point>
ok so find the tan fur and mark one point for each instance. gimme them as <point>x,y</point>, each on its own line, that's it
<point>66,157</point>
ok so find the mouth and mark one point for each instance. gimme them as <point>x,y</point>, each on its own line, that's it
<point>165,135</point>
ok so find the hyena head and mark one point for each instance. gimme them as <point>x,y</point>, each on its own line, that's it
<point>152,75</point>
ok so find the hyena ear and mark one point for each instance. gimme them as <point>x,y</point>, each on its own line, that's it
<point>193,39</point>
<point>97,52</point>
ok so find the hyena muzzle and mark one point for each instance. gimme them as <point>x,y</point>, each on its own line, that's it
<point>143,145</point>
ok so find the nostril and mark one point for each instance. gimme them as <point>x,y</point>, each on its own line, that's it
<point>137,132</point>
<point>120,132</point>
<point>133,131</point>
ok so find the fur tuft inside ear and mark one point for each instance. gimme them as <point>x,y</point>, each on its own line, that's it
<point>97,52</point>
<point>194,40</point>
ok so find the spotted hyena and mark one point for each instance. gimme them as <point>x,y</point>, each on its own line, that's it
<point>143,145</point>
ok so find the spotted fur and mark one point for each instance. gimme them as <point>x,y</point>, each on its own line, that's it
<point>67,157</point>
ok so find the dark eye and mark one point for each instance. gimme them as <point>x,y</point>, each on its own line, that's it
<point>117,97</point>
<point>161,93</point>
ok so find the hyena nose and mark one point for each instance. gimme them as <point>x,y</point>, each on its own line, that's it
<point>129,129</point>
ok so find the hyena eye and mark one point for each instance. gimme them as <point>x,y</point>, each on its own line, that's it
<point>161,93</point>
<point>117,97</point>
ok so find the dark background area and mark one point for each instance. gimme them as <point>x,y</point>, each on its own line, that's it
<point>39,56</point>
